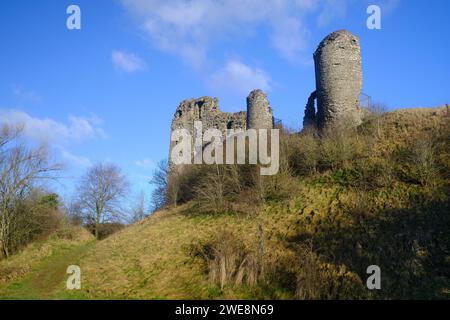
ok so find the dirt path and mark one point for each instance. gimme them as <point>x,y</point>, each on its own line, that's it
<point>48,280</point>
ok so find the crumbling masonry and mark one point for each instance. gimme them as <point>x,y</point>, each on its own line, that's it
<point>338,82</point>
<point>338,87</point>
<point>206,109</point>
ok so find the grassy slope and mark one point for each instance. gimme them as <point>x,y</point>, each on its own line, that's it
<point>153,260</point>
<point>39,271</point>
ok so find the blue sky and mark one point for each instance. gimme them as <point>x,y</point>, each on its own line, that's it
<point>108,92</point>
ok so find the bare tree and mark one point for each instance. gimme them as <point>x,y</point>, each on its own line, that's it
<point>216,184</point>
<point>20,168</point>
<point>74,212</point>
<point>101,192</point>
<point>139,209</point>
<point>160,180</point>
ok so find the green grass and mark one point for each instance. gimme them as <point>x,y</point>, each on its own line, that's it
<point>48,279</point>
<point>153,259</point>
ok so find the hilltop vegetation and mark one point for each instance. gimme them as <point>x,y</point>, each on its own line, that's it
<point>342,201</point>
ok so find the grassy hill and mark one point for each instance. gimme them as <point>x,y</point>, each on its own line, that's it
<point>313,237</point>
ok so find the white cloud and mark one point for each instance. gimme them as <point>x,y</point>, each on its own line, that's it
<point>193,29</point>
<point>58,134</point>
<point>238,77</point>
<point>387,6</point>
<point>145,163</point>
<point>190,28</point>
<point>78,161</point>
<point>331,10</point>
<point>289,46</point>
<point>127,62</point>
<point>46,130</point>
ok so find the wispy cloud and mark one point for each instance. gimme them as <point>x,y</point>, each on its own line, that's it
<point>190,28</point>
<point>47,130</point>
<point>387,6</point>
<point>58,135</point>
<point>127,62</point>
<point>26,96</point>
<point>193,29</point>
<point>74,160</point>
<point>145,164</point>
<point>331,10</point>
<point>237,77</point>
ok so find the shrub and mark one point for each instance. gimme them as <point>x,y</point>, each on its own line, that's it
<point>229,261</point>
<point>105,229</point>
<point>318,280</point>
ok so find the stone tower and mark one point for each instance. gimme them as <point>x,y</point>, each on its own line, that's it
<point>338,79</point>
<point>259,112</point>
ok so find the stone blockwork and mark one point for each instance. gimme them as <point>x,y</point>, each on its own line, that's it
<point>259,112</point>
<point>338,81</point>
<point>338,87</point>
<point>206,110</point>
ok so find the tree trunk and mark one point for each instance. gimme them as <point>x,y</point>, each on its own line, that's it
<point>97,223</point>
<point>5,251</point>
<point>98,216</point>
<point>96,230</point>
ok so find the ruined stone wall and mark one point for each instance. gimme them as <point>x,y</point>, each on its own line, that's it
<point>338,79</point>
<point>259,112</point>
<point>206,109</point>
<point>309,120</point>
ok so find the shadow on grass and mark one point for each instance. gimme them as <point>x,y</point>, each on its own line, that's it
<point>410,245</point>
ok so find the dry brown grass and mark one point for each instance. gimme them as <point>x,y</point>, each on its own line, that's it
<point>33,254</point>
<point>153,259</point>
<point>259,244</point>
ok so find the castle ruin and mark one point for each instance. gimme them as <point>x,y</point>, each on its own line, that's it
<point>335,101</point>
<point>259,112</point>
<point>206,109</point>
<point>338,82</point>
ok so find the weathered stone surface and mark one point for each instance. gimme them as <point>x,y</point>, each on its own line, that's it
<point>338,79</point>
<point>206,110</point>
<point>259,112</point>
<point>309,120</point>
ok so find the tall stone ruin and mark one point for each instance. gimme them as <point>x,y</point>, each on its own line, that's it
<point>338,82</point>
<point>259,112</point>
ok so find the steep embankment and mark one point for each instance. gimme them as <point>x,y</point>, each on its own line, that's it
<point>397,225</point>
